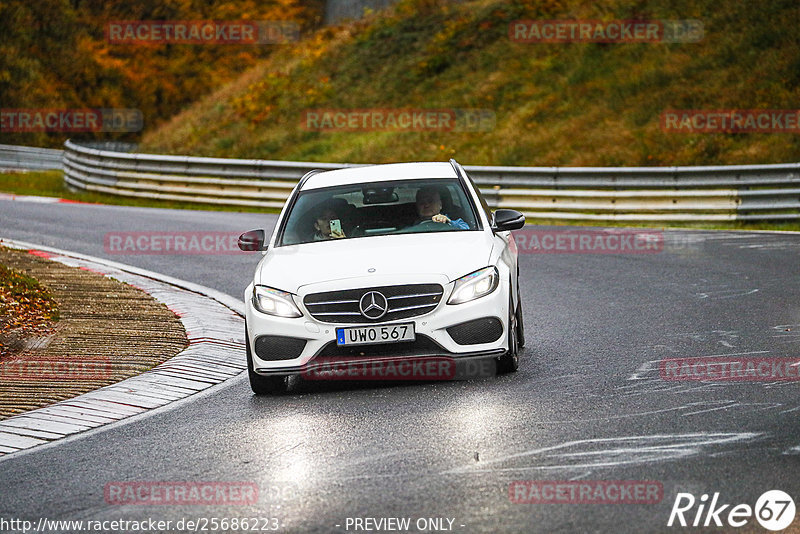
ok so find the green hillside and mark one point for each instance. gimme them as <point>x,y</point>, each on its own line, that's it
<point>555,104</point>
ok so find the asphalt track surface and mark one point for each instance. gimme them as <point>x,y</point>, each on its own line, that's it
<point>587,403</point>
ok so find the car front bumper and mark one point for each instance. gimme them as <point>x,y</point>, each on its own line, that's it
<point>431,329</point>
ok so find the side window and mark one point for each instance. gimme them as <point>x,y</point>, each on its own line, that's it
<point>482,200</point>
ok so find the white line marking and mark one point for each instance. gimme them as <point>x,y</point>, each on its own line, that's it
<point>633,450</point>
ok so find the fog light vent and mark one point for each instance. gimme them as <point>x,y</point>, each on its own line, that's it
<point>484,330</point>
<point>273,348</point>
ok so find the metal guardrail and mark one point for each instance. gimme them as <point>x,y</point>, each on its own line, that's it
<point>724,193</point>
<point>29,158</point>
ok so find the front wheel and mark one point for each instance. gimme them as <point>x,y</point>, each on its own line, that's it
<point>263,385</point>
<point>509,362</point>
<point>520,324</point>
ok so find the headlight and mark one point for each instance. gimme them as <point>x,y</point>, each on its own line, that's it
<point>475,285</point>
<point>274,302</point>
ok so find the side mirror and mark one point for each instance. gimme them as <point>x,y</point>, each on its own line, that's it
<point>505,220</point>
<point>252,241</point>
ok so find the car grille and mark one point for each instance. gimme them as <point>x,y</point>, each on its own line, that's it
<point>422,346</point>
<point>403,302</point>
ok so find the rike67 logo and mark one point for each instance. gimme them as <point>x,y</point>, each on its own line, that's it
<point>774,510</point>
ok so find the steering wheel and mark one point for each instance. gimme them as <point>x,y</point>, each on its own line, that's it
<point>428,225</point>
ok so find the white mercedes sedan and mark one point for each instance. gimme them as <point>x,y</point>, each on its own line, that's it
<point>379,266</point>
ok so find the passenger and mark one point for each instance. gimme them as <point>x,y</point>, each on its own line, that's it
<point>323,229</point>
<point>429,207</point>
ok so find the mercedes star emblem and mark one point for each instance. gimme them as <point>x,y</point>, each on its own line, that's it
<point>373,305</point>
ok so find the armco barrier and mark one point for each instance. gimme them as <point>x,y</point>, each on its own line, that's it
<point>29,158</point>
<point>658,194</point>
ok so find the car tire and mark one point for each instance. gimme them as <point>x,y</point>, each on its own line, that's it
<point>520,324</point>
<point>509,362</point>
<point>263,385</point>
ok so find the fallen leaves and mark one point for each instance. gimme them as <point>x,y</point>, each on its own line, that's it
<point>26,308</point>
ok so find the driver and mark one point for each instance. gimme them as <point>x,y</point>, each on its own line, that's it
<point>429,206</point>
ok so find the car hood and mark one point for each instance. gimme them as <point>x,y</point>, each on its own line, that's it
<point>450,254</point>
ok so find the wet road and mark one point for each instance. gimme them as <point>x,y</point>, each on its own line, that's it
<point>588,403</point>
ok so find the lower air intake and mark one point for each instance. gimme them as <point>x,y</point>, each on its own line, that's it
<point>273,348</point>
<point>484,330</point>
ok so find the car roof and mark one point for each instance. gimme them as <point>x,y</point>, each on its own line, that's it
<point>380,173</point>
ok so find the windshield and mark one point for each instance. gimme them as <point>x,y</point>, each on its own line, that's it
<point>379,208</point>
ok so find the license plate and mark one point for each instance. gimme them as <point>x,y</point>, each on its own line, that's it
<point>368,335</point>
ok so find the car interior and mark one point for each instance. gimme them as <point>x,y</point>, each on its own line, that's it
<point>375,209</point>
